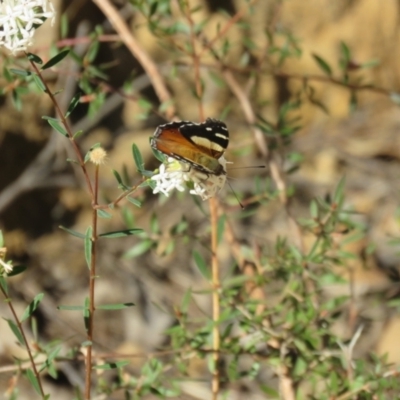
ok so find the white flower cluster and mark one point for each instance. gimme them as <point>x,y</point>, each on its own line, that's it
<point>19,19</point>
<point>5,267</point>
<point>179,175</point>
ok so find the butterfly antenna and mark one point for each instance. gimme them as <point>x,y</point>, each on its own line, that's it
<point>251,166</point>
<point>234,193</point>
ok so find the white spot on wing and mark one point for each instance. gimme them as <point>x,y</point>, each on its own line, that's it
<point>209,129</point>
<point>208,144</point>
<point>221,136</point>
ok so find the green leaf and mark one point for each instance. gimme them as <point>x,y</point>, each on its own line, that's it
<point>71,308</point>
<point>34,58</point>
<point>322,64</point>
<point>119,306</point>
<point>92,53</point>
<point>187,298</point>
<point>139,249</point>
<point>64,24</point>
<point>74,102</point>
<point>103,214</point>
<point>157,154</point>
<point>338,196</point>
<point>119,179</point>
<point>314,209</point>
<point>3,285</point>
<point>32,307</point>
<point>137,156</point>
<point>88,246</point>
<point>20,72</point>
<point>86,314</point>
<point>135,202</point>
<point>56,59</point>
<point>346,55</point>
<point>154,224</point>
<point>112,365</point>
<point>39,83</point>
<point>33,380</point>
<point>13,326</point>
<point>201,265</point>
<point>55,124</point>
<point>72,232</point>
<point>78,133</point>
<point>117,234</point>
<point>1,239</point>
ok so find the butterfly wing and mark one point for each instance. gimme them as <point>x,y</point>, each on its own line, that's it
<point>200,145</point>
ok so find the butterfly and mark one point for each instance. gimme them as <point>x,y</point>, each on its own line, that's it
<point>200,145</point>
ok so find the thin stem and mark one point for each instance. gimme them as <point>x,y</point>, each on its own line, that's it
<point>94,196</point>
<point>125,34</point>
<point>196,63</point>
<point>66,126</point>
<point>28,349</point>
<point>275,171</point>
<point>224,30</point>
<point>215,384</point>
<point>215,297</point>
<point>92,308</point>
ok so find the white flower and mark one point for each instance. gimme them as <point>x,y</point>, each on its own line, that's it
<point>180,175</point>
<point>19,19</point>
<point>8,267</point>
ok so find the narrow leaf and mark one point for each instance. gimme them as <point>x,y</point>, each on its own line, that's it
<point>119,306</point>
<point>20,72</point>
<point>139,249</point>
<point>74,102</point>
<point>345,53</point>
<point>322,64</point>
<point>39,82</point>
<point>56,59</point>
<point>32,307</point>
<point>77,134</point>
<point>72,232</point>
<point>71,308</point>
<point>3,284</point>
<point>187,298</point>
<point>86,314</point>
<point>64,24</point>
<point>33,380</point>
<point>103,214</point>
<point>36,59</point>
<point>135,202</point>
<point>17,269</point>
<point>157,154</point>
<point>118,178</point>
<point>13,326</point>
<point>339,191</point>
<point>201,265</point>
<point>137,156</point>
<point>55,124</point>
<point>88,246</point>
<point>123,233</point>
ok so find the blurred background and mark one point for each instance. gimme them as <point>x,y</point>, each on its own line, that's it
<point>335,63</point>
